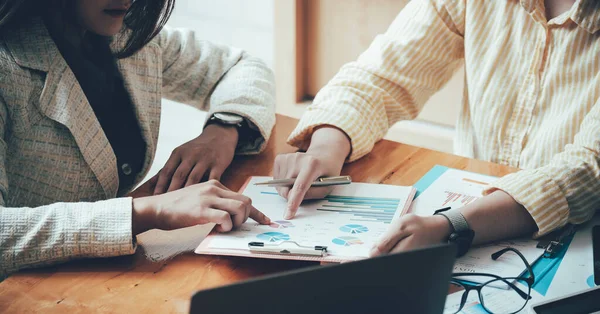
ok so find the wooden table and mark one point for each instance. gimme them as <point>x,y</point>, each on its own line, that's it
<point>138,283</point>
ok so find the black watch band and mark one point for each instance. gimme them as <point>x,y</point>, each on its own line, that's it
<point>462,235</point>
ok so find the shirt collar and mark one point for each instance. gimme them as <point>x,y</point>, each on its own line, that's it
<point>586,16</point>
<point>529,5</point>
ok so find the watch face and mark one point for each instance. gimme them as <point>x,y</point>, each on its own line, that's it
<point>453,237</point>
<point>228,118</point>
<point>463,241</point>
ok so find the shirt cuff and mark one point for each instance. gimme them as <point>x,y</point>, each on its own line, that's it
<point>361,140</point>
<point>110,229</point>
<point>540,196</point>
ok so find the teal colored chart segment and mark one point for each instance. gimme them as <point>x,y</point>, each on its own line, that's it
<point>545,269</point>
<point>429,178</point>
<point>590,281</point>
<point>354,229</point>
<point>273,236</point>
<point>347,241</point>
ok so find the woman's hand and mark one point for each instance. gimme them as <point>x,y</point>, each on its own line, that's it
<point>412,232</point>
<point>325,157</point>
<point>206,156</point>
<point>195,205</point>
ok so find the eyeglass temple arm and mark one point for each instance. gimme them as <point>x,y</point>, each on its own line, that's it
<point>521,293</point>
<point>531,278</point>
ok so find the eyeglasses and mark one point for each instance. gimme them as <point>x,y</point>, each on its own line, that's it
<point>489,290</point>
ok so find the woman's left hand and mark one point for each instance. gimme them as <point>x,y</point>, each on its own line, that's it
<point>412,232</point>
<point>205,157</point>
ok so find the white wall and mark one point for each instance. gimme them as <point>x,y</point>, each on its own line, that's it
<point>249,24</point>
<point>246,24</point>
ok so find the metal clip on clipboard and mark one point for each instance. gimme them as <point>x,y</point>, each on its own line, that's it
<point>283,249</point>
<point>553,247</point>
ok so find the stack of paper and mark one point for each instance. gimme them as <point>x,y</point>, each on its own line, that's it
<point>349,221</point>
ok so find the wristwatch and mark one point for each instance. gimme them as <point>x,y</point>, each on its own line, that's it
<point>462,235</point>
<point>228,119</point>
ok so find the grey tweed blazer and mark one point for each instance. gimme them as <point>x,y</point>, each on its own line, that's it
<point>58,172</point>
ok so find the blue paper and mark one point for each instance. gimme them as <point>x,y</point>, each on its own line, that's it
<point>545,269</point>
<point>429,178</point>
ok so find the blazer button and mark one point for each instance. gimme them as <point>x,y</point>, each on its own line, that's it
<point>126,169</point>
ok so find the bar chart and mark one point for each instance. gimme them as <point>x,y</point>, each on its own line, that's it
<point>372,209</point>
<point>362,208</point>
<point>453,199</point>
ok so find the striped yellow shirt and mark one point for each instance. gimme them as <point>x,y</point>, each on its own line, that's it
<point>530,99</point>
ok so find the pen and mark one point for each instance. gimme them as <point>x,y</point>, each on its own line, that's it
<point>324,181</point>
<point>260,247</point>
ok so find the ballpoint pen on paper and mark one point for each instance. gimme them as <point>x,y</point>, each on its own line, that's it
<point>284,249</point>
<point>324,181</point>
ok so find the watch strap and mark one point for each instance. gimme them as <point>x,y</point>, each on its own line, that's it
<point>227,119</point>
<point>461,235</point>
<point>457,220</point>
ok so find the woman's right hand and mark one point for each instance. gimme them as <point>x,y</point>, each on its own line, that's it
<point>325,156</point>
<point>195,205</point>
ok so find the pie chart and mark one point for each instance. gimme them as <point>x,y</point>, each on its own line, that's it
<point>347,241</point>
<point>354,229</point>
<point>273,236</point>
<point>281,224</point>
<point>590,281</point>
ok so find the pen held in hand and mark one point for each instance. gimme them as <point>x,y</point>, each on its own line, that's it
<point>324,181</point>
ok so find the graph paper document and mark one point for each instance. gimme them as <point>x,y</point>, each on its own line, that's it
<point>453,188</point>
<point>456,188</point>
<point>348,221</point>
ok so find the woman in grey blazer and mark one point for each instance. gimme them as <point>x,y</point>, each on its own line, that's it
<point>81,84</point>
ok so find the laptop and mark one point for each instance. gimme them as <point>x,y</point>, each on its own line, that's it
<point>409,282</point>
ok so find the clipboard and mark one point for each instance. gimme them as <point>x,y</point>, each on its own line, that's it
<point>288,248</point>
<point>210,245</point>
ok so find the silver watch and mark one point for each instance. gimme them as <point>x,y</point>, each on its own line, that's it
<point>225,118</point>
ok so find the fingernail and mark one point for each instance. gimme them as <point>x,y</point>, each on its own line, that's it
<point>267,220</point>
<point>288,212</point>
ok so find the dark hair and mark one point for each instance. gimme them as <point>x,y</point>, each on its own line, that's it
<point>143,21</point>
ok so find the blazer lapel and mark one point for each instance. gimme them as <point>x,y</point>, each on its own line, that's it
<point>63,100</point>
<point>146,101</point>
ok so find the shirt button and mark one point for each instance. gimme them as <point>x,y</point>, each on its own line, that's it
<point>126,169</point>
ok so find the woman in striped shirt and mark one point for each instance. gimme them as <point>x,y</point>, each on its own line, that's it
<point>531,101</point>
